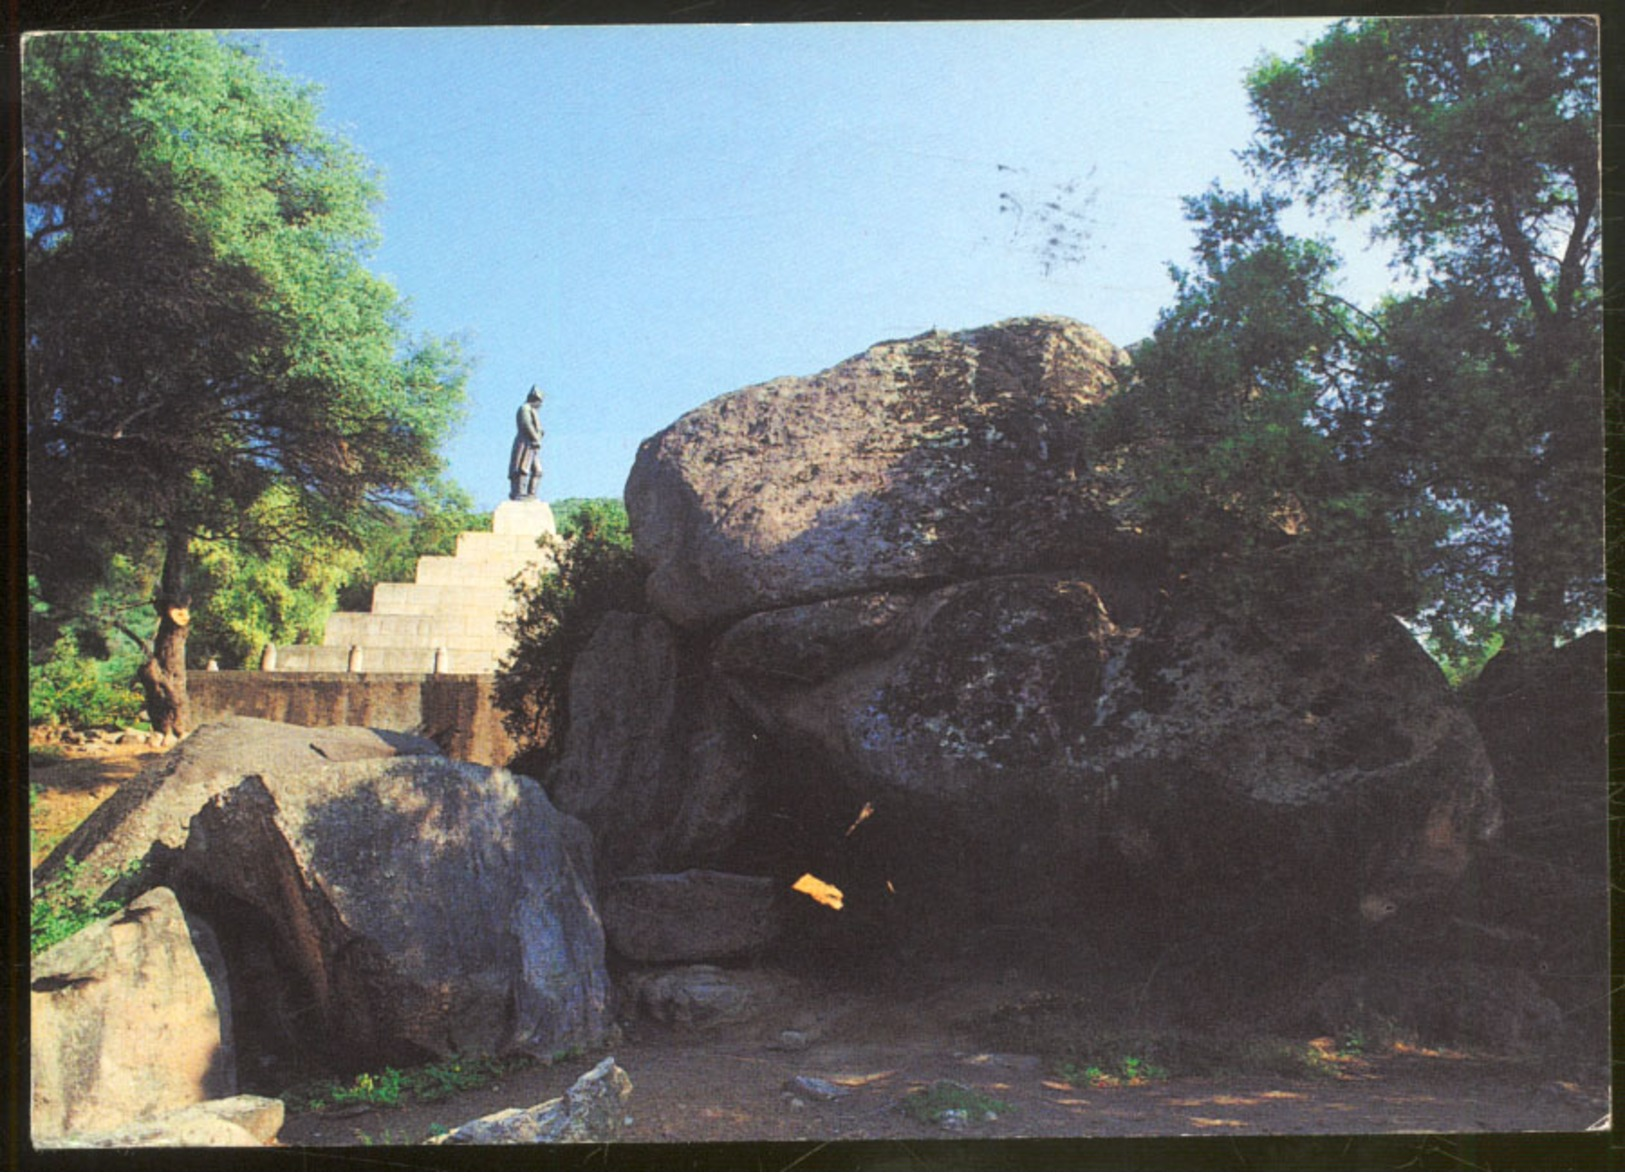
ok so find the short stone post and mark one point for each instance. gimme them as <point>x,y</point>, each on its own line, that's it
<point>442,660</point>
<point>268,658</point>
<point>355,659</point>
<point>213,667</point>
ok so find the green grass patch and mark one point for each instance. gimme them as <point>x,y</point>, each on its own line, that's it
<point>1127,1070</point>
<point>431,1082</point>
<point>943,1103</point>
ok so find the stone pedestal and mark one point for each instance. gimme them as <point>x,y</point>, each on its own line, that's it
<point>529,516</point>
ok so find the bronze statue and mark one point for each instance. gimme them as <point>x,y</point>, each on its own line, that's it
<point>525,462</point>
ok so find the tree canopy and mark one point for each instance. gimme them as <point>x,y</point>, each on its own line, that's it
<point>208,357</point>
<point>1225,424</point>
<point>1474,144</point>
<point>1442,450</point>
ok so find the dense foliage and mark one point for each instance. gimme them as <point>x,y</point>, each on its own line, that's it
<point>567,510</point>
<point>558,612</point>
<point>208,358</point>
<point>1441,453</point>
<point>68,689</point>
<point>391,543</point>
<point>281,594</point>
<point>1474,143</point>
<point>1223,424</point>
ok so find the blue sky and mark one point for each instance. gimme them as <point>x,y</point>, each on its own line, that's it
<point>642,218</point>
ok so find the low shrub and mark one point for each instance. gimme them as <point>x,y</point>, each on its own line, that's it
<point>944,1102</point>
<point>430,1082</point>
<point>557,614</point>
<point>1127,1070</point>
<point>70,690</point>
<point>382,1090</point>
<point>70,902</point>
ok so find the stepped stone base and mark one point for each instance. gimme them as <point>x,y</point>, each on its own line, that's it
<point>449,620</point>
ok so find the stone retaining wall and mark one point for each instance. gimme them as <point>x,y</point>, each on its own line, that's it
<point>457,711</point>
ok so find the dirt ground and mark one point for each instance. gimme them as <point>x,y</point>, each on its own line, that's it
<point>879,1042</point>
<point>732,1085</point>
<point>71,782</point>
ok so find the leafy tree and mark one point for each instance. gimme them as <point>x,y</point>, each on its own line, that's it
<point>558,613</point>
<point>610,511</point>
<point>1226,427</point>
<point>1474,143</point>
<point>201,327</point>
<point>82,665</point>
<point>282,594</point>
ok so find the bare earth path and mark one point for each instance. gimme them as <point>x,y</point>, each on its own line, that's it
<point>73,783</point>
<point>877,1045</point>
<point>689,1088</point>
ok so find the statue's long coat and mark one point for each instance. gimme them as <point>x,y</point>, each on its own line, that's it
<point>526,458</point>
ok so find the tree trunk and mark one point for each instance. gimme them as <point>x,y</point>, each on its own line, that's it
<point>1537,594</point>
<point>163,675</point>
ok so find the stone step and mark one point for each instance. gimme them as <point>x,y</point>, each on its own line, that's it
<point>384,660</point>
<point>314,658</point>
<point>425,632</point>
<point>457,605</point>
<point>485,545</point>
<point>450,570</point>
<point>434,599</point>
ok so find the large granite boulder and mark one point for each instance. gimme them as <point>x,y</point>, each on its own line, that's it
<point>940,457</point>
<point>659,763</point>
<point>691,917</point>
<point>145,821</point>
<point>1543,717</point>
<point>960,695</point>
<point>396,910</point>
<point>130,1019</point>
<point>1544,721</point>
<point>1324,750</point>
<point>977,697</point>
<point>1019,748</point>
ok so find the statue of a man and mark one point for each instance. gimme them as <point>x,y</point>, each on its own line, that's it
<point>525,462</point>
